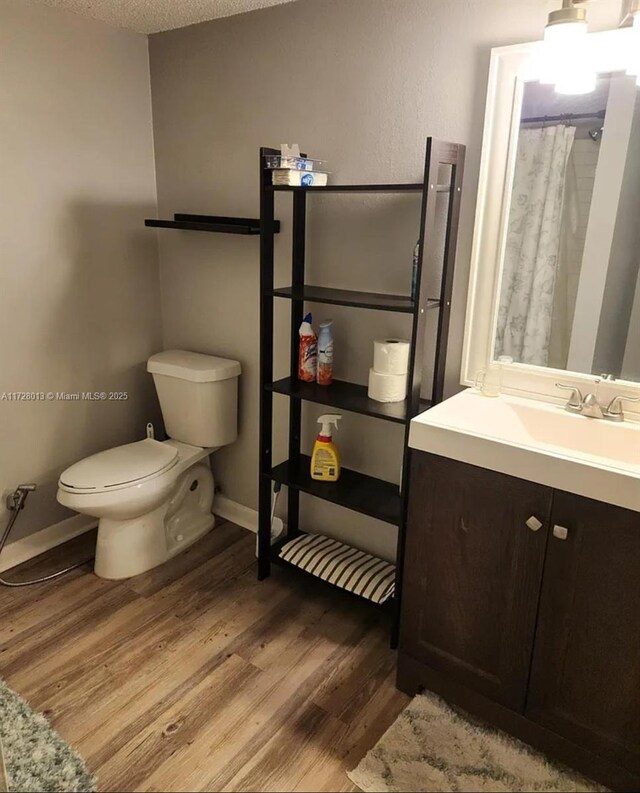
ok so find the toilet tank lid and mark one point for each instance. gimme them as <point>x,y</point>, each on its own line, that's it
<point>193,366</point>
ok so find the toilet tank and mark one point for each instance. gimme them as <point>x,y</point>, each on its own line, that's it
<point>198,396</point>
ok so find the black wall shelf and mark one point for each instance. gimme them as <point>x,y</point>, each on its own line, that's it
<point>354,490</point>
<point>212,223</point>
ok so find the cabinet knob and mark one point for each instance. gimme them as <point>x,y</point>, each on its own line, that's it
<point>560,532</point>
<point>533,523</point>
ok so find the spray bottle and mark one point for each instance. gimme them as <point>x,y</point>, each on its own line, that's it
<point>325,460</point>
<point>325,353</point>
<point>308,351</point>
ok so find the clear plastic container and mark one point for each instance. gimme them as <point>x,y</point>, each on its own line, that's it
<point>489,380</point>
<point>293,163</point>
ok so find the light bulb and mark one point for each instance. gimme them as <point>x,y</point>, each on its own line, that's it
<point>561,42</point>
<point>565,62</point>
<point>563,58</point>
<point>566,33</point>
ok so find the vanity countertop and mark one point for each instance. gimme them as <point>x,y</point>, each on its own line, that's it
<point>537,441</point>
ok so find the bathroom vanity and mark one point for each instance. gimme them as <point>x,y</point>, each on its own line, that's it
<point>521,599</point>
<point>521,571</point>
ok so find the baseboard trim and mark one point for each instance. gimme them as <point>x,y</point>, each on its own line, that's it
<point>245,517</point>
<point>29,547</point>
<point>237,513</point>
<point>33,545</point>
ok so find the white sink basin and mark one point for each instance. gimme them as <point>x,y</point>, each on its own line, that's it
<point>536,441</point>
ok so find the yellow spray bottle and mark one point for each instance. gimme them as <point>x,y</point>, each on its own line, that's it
<point>325,460</point>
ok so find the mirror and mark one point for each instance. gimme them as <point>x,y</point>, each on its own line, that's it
<point>568,286</point>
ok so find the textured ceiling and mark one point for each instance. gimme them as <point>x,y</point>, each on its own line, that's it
<point>152,16</point>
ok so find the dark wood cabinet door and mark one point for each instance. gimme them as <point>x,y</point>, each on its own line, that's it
<point>473,571</point>
<point>585,682</point>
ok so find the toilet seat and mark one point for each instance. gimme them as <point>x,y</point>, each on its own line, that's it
<point>120,467</point>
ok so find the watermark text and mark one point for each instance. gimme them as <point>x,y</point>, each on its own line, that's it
<point>63,396</point>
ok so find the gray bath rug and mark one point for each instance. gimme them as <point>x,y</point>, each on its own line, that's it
<point>431,747</point>
<point>35,756</point>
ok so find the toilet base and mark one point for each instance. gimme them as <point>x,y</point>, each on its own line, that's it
<point>126,548</point>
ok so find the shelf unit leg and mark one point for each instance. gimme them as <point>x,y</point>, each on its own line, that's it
<point>297,313</point>
<point>267,216</point>
<point>264,529</point>
<point>293,495</point>
<point>438,153</point>
<point>446,287</point>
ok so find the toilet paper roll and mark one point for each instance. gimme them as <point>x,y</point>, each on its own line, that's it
<point>391,356</point>
<point>387,387</point>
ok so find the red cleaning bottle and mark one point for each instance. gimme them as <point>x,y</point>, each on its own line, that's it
<point>308,352</point>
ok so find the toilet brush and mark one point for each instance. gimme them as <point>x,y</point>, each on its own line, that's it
<point>277,524</point>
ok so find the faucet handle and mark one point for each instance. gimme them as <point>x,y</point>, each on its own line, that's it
<point>576,399</point>
<point>614,409</point>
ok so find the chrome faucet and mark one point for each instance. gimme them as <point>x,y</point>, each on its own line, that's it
<point>614,411</point>
<point>590,406</point>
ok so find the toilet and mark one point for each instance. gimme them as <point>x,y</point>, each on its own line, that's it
<point>154,499</point>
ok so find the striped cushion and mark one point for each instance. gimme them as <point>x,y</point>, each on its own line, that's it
<point>342,565</point>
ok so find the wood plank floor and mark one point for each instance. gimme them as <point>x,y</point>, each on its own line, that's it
<point>195,676</point>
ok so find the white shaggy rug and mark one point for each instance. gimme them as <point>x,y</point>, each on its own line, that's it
<point>35,757</point>
<point>431,747</point>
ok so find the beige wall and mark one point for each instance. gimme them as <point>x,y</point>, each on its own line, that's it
<point>78,272</point>
<point>362,83</point>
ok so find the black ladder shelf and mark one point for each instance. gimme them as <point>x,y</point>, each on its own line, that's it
<point>354,490</point>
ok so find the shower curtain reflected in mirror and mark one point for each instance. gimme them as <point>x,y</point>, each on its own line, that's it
<point>570,251</point>
<point>533,245</point>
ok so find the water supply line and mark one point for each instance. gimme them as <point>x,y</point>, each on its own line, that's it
<point>15,503</point>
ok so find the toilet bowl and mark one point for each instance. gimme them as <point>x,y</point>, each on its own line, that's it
<point>154,499</point>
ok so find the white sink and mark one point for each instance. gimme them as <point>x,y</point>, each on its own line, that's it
<point>537,441</point>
